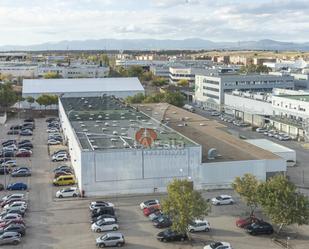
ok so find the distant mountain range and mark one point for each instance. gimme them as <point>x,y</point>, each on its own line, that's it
<point>153,44</point>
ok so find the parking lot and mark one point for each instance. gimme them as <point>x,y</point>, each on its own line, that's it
<point>64,223</point>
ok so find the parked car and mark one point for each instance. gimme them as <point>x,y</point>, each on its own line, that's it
<point>9,163</point>
<point>16,205</point>
<point>98,204</point>
<point>199,226</point>
<point>215,114</point>
<point>10,238</point>
<point>24,141</point>
<point>13,196</point>
<point>110,239</point>
<point>10,201</point>
<point>15,127</point>
<point>13,132</point>
<point>162,222</point>
<point>261,130</point>
<point>63,167</point>
<point>103,216</point>
<point>62,173</point>
<point>284,138</point>
<point>218,245</point>
<point>25,145</point>
<point>101,211</point>
<point>169,235</point>
<point>222,200</point>
<point>68,192</point>
<point>244,222</point>
<point>155,215</point>
<point>148,203</point>
<point>8,222</point>
<point>51,130</point>
<point>17,186</point>
<point>8,142</point>
<point>48,120</point>
<point>259,228</point>
<point>29,120</point>
<point>26,133</point>
<point>64,180</point>
<point>23,153</point>
<point>151,209</point>
<point>5,216</point>
<point>53,142</point>
<point>7,154</point>
<point>20,172</point>
<point>59,157</point>
<point>20,212</point>
<point>18,228</point>
<point>107,224</point>
<point>60,152</point>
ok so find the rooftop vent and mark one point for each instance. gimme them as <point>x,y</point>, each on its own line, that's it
<point>114,139</point>
<point>115,133</point>
<point>91,114</point>
<point>90,118</point>
<point>212,154</point>
<point>123,134</point>
<point>106,124</point>
<point>104,129</point>
<point>100,116</point>
<point>123,128</point>
<point>96,125</point>
<point>98,121</point>
<point>95,147</point>
<point>84,130</point>
<point>82,125</point>
<point>122,117</point>
<point>81,122</point>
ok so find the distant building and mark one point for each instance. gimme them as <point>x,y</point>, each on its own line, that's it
<point>260,61</point>
<point>24,70</point>
<point>241,60</point>
<point>77,71</point>
<point>209,90</point>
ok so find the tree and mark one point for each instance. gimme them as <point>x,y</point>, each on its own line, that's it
<point>47,100</point>
<point>8,96</point>
<point>135,71</point>
<point>247,188</point>
<point>282,203</point>
<point>52,75</point>
<point>30,100</point>
<point>174,98</point>
<point>136,99</point>
<point>183,83</point>
<point>254,69</point>
<point>159,81</point>
<point>184,204</point>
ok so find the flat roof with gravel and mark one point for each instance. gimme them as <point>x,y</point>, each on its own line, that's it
<point>209,133</point>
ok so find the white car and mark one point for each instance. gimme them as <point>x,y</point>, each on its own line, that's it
<point>106,224</point>
<point>284,138</point>
<point>218,245</point>
<point>148,203</point>
<point>59,157</point>
<point>199,226</point>
<point>24,150</point>
<point>261,130</point>
<point>16,205</point>
<point>67,192</point>
<point>13,196</point>
<point>53,142</point>
<point>9,163</point>
<point>222,200</point>
<point>52,130</point>
<point>98,204</point>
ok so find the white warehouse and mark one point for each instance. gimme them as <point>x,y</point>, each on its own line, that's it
<point>118,149</point>
<point>86,87</point>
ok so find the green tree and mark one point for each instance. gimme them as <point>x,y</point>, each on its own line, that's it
<point>52,75</point>
<point>8,96</point>
<point>174,98</point>
<point>146,76</point>
<point>184,204</point>
<point>136,99</point>
<point>282,203</point>
<point>30,100</point>
<point>135,71</point>
<point>247,187</point>
<point>47,100</point>
<point>183,83</point>
<point>254,69</point>
<point>159,81</point>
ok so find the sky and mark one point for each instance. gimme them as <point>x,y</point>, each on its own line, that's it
<point>25,22</point>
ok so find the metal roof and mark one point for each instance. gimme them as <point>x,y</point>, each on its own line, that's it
<point>81,85</point>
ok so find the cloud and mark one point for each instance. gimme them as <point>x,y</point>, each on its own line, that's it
<point>39,21</point>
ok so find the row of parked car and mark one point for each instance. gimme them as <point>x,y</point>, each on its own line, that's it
<point>25,129</point>
<point>53,129</point>
<point>233,121</point>
<point>12,148</point>
<point>103,219</point>
<point>254,225</point>
<point>273,133</point>
<point>12,224</point>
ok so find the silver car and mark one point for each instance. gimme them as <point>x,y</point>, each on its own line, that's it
<point>110,239</point>
<point>10,238</point>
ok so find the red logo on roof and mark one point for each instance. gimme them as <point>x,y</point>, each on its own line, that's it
<point>146,137</point>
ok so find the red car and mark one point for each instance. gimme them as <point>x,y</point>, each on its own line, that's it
<point>152,209</point>
<point>243,222</point>
<point>23,154</point>
<point>8,222</point>
<point>62,173</point>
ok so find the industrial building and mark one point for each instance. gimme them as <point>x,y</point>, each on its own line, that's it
<point>121,149</point>
<point>210,89</point>
<point>86,87</point>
